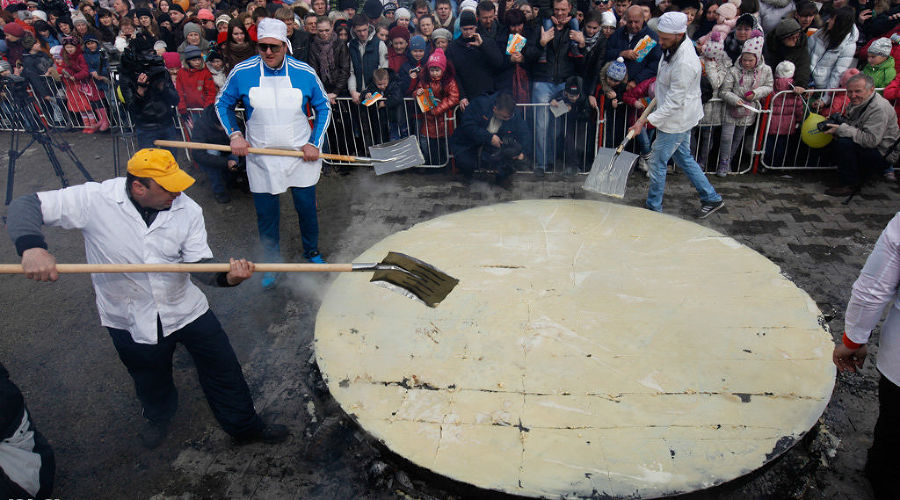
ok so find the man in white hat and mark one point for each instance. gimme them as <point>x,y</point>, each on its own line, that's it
<point>275,89</point>
<point>678,110</point>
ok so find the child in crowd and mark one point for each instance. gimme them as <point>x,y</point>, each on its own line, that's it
<point>575,123</point>
<point>638,98</point>
<point>82,93</point>
<point>414,66</point>
<point>383,114</point>
<point>435,127</point>
<point>98,64</point>
<point>881,64</point>
<point>216,66</point>
<point>787,113</point>
<point>173,64</point>
<point>613,84</point>
<point>716,66</point>
<point>194,83</point>
<point>747,83</point>
<point>398,38</point>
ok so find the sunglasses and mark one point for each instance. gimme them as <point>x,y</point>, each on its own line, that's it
<point>266,47</point>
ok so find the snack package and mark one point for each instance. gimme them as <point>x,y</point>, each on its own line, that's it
<point>643,47</point>
<point>373,99</point>
<point>426,101</point>
<point>515,43</point>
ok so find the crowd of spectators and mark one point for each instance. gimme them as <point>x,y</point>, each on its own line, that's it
<point>589,56</point>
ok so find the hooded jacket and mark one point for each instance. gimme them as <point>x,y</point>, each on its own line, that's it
<point>776,51</point>
<point>883,73</point>
<point>787,108</point>
<point>739,81</point>
<point>196,88</point>
<point>827,65</point>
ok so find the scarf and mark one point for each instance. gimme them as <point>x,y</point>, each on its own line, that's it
<point>324,50</point>
<point>589,42</point>
<point>237,52</point>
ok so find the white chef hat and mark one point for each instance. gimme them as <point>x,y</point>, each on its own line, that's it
<point>673,23</point>
<point>269,27</point>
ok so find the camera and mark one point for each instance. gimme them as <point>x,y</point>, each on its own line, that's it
<point>139,57</point>
<point>834,119</point>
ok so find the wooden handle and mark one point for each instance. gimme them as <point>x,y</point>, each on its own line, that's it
<point>630,135</point>
<point>183,268</point>
<point>648,109</point>
<point>256,151</point>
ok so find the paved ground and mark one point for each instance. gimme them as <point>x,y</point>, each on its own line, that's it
<point>82,399</point>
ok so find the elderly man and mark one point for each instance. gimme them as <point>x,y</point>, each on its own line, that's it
<point>622,42</point>
<point>868,135</point>
<point>274,89</point>
<point>145,218</point>
<point>873,291</point>
<point>678,110</point>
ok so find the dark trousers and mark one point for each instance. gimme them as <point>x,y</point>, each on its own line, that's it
<point>883,466</point>
<point>146,134</point>
<point>268,218</point>
<point>855,162</point>
<point>217,368</point>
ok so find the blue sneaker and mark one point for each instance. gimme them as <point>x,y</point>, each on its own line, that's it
<point>315,258</point>
<point>268,280</point>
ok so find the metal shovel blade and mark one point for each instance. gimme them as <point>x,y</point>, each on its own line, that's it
<point>609,172</point>
<point>396,155</point>
<point>414,278</point>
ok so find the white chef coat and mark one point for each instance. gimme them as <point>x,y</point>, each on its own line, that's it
<point>115,233</point>
<point>678,104</point>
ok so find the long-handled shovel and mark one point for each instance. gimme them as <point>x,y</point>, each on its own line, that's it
<point>611,167</point>
<point>399,272</point>
<point>386,158</point>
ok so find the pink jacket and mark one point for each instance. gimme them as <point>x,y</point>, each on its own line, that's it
<point>787,109</point>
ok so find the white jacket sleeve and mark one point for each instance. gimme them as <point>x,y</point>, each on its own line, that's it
<point>675,97</point>
<point>876,286</point>
<point>69,208</point>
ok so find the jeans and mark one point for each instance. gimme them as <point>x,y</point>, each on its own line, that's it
<point>218,369</point>
<point>146,134</point>
<point>884,455</point>
<point>268,218</point>
<point>214,174</point>
<point>732,136</point>
<point>855,162</point>
<point>675,146</point>
<point>545,135</point>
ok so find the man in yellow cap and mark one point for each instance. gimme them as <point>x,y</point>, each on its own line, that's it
<point>146,218</point>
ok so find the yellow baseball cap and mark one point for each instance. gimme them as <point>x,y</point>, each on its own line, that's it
<point>160,165</point>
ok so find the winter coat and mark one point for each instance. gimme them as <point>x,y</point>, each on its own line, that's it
<point>872,124</point>
<point>559,64</point>
<point>407,83</point>
<point>892,92</point>
<point>771,12</point>
<point>776,51</point>
<point>154,108</point>
<point>82,91</point>
<point>716,72</point>
<point>196,88</point>
<point>97,61</point>
<point>34,66</point>
<point>637,71</point>
<point>631,97</point>
<point>827,65</point>
<point>209,129</point>
<point>447,93</point>
<point>787,109</point>
<point>395,60</point>
<point>593,61</point>
<point>880,25</point>
<point>738,82</point>
<point>335,82</point>
<point>475,66</point>
<point>883,74</point>
<point>472,132</point>
<point>365,58</point>
<point>895,49</point>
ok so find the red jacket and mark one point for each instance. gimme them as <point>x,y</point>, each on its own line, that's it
<point>447,92</point>
<point>196,88</point>
<point>892,93</point>
<point>630,97</point>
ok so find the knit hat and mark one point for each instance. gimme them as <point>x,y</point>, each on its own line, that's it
<point>192,28</point>
<point>348,4</point>
<point>78,18</point>
<point>56,51</point>
<point>847,75</point>
<point>160,45</point>
<point>727,11</point>
<point>191,52</point>
<point>437,59</point>
<point>574,85</point>
<point>607,18</point>
<point>39,14</point>
<point>441,33</point>
<point>398,32</point>
<point>787,27</point>
<point>881,47</point>
<point>89,37</point>
<point>402,13</point>
<point>137,13</point>
<point>673,23</point>
<point>205,15</point>
<point>417,43</point>
<point>745,20</point>
<point>785,69</point>
<point>172,60</point>
<point>163,18</point>
<point>468,5</point>
<point>14,29</point>
<point>617,70</point>
<point>390,6</point>
<point>224,18</point>
<point>754,46</point>
<point>372,9</point>
<point>177,7</point>
<point>714,48</point>
<point>213,55</point>
<point>467,18</point>
<point>4,66</point>
<point>70,40</point>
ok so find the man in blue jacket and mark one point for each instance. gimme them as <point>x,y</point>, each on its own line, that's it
<point>491,126</point>
<point>274,89</point>
<point>622,42</point>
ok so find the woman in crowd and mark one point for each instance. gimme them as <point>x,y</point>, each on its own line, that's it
<point>831,52</point>
<point>238,47</point>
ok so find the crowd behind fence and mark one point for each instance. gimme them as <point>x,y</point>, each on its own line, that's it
<point>355,127</point>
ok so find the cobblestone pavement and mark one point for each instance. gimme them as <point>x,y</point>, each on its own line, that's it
<point>82,398</point>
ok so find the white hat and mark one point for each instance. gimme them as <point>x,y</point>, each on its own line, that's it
<point>402,13</point>
<point>269,27</point>
<point>673,23</point>
<point>607,18</point>
<point>881,47</point>
<point>785,69</point>
<point>468,5</point>
<point>39,14</point>
<point>159,45</point>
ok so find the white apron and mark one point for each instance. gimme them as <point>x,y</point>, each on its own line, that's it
<point>278,121</point>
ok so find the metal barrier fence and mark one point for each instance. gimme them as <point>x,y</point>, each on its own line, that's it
<point>772,141</point>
